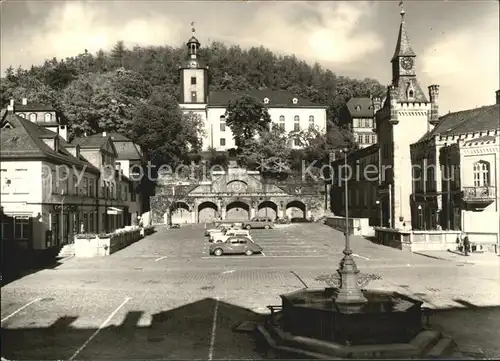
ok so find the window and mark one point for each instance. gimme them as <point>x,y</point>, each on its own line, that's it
<point>53,181</point>
<point>222,123</point>
<point>22,115</point>
<point>296,142</point>
<point>48,117</point>
<point>368,123</point>
<point>222,142</point>
<point>132,195</point>
<point>266,100</point>
<point>21,227</point>
<point>282,122</point>
<point>193,97</point>
<point>91,223</point>
<point>296,123</point>
<point>85,223</point>
<point>367,138</point>
<point>33,117</point>
<point>295,100</point>
<point>118,191</point>
<point>125,193</point>
<point>64,183</point>
<point>410,94</point>
<point>357,108</point>
<point>20,182</point>
<point>311,121</point>
<point>193,80</point>
<point>91,187</point>
<point>481,174</point>
<point>112,191</point>
<point>374,139</point>
<point>6,182</point>
<point>85,186</point>
<point>75,185</point>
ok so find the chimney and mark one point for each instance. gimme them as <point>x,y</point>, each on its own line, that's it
<point>434,98</point>
<point>25,101</point>
<point>10,107</point>
<point>498,97</point>
<point>103,134</point>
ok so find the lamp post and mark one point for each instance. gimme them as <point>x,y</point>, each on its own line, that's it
<point>349,292</point>
<point>62,216</point>
<point>419,216</point>
<point>379,206</point>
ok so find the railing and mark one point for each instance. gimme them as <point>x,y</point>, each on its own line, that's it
<point>479,193</point>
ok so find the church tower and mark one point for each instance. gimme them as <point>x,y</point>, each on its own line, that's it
<point>193,75</point>
<point>404,118</point>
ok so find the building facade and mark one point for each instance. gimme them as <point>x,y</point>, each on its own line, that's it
<point>459,188</point>
<point>287,111</point>
<point>357,114</point>
<point>434,173</point>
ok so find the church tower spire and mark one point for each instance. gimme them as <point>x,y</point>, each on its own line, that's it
<point>403,66</point>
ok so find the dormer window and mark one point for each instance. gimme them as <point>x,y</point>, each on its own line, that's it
<point>48,117</point>
<point>33,117</point>
<point>266,100</point>
<point>295,100</point>
<point>357,108</point>
<point>410,92</point>
<point>22,115</point>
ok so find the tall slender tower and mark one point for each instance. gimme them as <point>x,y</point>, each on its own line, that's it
<point>193,75</point>
<point>403,120</point>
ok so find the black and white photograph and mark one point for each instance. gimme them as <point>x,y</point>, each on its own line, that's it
<point>249,180</point>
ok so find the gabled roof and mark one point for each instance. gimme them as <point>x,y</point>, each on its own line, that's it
<point>124,147</point>
<point>360,107</point>
<point>467,121</point>
<point>24,140</point>
<point>127,151</point>
<point>33,106</point>
<point>277,98</point>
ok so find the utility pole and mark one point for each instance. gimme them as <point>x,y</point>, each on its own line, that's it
<point>62,216</point>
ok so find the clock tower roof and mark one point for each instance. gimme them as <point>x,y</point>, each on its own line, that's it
<point>403,47</point>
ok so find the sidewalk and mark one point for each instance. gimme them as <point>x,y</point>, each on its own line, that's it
<point>486,258</point>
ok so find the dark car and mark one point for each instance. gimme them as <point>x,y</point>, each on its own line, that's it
<point>259,222</point>
<point>300,220</point>
<point>175,226</point>
<point>235,245</point>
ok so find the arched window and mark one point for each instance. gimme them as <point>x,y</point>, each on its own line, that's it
<point>22,115</point>
<point>481,174</point>
<point>282,122</point>
<point>48,117</point>
<point>33,117</point>
<point>222,123</point>
<point>296,123</point>
<point>311,122</point>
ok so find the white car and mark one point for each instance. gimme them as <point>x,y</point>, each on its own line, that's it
<point>218,237</point>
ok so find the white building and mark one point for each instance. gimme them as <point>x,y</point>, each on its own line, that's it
<point>287,111</point>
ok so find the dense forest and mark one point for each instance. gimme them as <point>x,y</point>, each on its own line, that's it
<point>135,91</point>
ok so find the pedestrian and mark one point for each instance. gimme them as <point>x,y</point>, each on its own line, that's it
<point>466,244</point>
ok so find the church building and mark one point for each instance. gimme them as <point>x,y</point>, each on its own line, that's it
<point>289,112</point>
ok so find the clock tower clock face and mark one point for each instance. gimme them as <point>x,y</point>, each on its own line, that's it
<point>193,64</point>
<point>407,63</point>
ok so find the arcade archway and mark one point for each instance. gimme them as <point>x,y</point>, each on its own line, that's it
<point>180,213</point>
<point>267,209</point>
<point>237,210</point>
<point>296,209</point>
<point>207,212</point>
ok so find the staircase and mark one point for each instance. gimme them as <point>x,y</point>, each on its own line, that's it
<point>67,250</point>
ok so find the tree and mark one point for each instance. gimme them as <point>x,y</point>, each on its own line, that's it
<point>246,116</point>
<point>269,152</point>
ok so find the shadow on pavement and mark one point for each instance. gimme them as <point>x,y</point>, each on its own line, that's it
<point>186,332</point>
<point>13,273</point>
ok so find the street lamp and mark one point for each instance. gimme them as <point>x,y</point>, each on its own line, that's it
<point>379,206</point>
<point>419,216</point>
<point>349,292</point>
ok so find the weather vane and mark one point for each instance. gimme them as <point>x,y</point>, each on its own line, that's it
<point>193,29</point>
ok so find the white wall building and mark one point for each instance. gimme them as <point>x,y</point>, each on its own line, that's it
<point>286,110</point>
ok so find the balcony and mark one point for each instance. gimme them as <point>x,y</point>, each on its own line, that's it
<point>479,197</point>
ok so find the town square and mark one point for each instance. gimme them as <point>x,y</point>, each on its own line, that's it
<point>322,183</point>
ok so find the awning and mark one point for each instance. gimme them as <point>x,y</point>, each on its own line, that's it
<point>113,210</point>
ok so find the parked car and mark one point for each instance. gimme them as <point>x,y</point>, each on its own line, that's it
<point>282,221</point>
<point>220,237</point>
<point>175,226</point>
<point>256,223</point>
<point>219,226</point>
<point>235,245</point>
<point>300,220</point>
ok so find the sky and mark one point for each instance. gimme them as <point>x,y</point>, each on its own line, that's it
<point>456,42</point>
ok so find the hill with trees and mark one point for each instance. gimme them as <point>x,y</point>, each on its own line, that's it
<point>135,91</point>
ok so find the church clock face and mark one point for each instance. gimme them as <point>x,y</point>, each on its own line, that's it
<point>407,63</point>
<point>193,64</point>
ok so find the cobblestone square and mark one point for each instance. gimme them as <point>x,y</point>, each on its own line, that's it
<point>163,298</point>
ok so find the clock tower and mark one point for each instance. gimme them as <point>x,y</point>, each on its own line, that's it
<point>193,75</point>
<point>403,67</point>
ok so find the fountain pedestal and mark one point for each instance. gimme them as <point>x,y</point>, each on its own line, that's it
<point>311,323</point>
